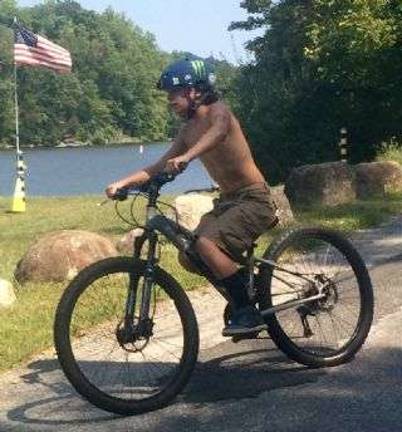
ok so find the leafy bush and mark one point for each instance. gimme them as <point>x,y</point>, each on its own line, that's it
<point>390,151</point>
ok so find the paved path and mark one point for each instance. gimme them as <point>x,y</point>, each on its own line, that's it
<point>249,386</point>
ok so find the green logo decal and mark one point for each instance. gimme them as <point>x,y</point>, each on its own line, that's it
<point>199,68</point>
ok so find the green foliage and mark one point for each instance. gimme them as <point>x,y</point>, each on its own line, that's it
<point>227,75</point>
<point>7,10</point>
<point>390,151</point>
<point>321,65</point>
<point>111,93</point>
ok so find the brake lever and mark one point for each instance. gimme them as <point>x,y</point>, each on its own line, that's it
<point>102,203</point>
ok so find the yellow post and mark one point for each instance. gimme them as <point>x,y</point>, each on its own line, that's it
<point>19,202</point>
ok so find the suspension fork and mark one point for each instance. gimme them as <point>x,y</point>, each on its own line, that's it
<point>148,278</point>
<point>146,288</point>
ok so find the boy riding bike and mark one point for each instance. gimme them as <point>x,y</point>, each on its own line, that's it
<point>245,208</point>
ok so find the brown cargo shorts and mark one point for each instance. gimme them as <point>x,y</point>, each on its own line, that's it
<point>239,218</point>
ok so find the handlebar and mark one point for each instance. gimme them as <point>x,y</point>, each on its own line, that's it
<point>154,184</point>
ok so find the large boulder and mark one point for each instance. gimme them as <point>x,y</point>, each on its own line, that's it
<point>59,256</point>
<point>7,295</point>
<point>285,213</point>
<point>126,244</point>
<point>191,207</point>
<point>327,184</point>
<point>377,178</point>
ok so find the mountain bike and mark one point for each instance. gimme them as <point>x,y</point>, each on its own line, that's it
<point>126,334</point>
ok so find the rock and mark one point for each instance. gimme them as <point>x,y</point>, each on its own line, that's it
<point>327,184</point>
<point>7,295</point>
<point>126,244</point>
<point>285,213</point>
<point>60,255</point>
<point>377,178</point>
<point>191,207</point>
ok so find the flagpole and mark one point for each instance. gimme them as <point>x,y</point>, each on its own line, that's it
<point>17,124</point>
<point>18,204</point>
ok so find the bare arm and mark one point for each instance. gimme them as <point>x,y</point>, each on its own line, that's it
<point>220,126</point>
<point>220,121</point>
<point>143,175</point>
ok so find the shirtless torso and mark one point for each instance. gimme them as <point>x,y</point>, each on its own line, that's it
<point>230,162</point>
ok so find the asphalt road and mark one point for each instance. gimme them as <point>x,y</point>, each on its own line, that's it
<point>249,386</point>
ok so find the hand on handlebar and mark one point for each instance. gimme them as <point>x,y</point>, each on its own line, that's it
<point>177,165</point>
<point>116,191</point>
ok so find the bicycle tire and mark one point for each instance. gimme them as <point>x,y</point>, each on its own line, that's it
<point>276,331</point>
<point>63,339</point>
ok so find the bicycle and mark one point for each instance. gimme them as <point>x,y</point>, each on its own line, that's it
<point>310,285</point>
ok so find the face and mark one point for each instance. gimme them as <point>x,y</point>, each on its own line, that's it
<point>178,100</point>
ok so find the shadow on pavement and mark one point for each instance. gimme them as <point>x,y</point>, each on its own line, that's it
<point>250,389</point>
<point>228,371</point>
<point>244,370</point>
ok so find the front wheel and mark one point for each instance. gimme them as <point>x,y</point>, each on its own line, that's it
<point>118,372</point>
<point>317,262</point>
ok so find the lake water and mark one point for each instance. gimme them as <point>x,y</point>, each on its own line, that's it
<point>88,170</point>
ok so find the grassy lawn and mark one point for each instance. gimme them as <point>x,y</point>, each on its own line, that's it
<point>26,328</point>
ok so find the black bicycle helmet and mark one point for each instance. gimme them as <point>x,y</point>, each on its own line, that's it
<point>188,72</point>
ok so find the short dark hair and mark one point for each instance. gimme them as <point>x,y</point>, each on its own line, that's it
<point>209,95</point>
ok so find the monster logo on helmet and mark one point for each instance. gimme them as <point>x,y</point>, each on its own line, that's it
<point>199,67</point>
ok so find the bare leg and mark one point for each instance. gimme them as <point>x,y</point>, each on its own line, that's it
<point>219,263</point>
<point>245,319</point>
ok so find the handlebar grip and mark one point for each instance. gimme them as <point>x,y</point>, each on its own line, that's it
<point>121,194</point>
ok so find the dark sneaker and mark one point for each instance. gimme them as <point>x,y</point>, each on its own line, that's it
<point>245,320</point>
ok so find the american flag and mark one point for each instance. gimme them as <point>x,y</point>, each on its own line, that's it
<point>34,50</point>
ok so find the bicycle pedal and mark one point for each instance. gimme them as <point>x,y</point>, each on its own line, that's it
<point>238,338</point>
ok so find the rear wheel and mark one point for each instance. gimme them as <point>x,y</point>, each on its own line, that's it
<point>116,371</point>
<point>327,331</point>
